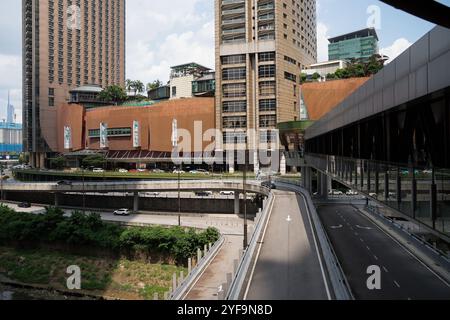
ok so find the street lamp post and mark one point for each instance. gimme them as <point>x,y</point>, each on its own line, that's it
<point>245,200</point>
<point>175,146</point>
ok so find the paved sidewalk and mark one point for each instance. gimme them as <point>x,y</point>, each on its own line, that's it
<point>207,286</point>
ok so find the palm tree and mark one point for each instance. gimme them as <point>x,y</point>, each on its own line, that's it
<point>138,87</point>
<point>128,85</point>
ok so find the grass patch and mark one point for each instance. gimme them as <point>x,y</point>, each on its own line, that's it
<point>120,278</point>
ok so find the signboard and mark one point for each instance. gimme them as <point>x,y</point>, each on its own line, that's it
<point>175,133</point>
<point>67,138</point>
<point>136,135</point>
<point>103,135</point>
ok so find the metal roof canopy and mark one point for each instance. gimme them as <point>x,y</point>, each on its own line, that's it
<point>432,11</point>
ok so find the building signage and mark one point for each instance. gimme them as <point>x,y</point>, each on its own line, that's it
<point>103,135</point>
<point>175,133</point>
<point>67,138</point>
<point>136,135</point>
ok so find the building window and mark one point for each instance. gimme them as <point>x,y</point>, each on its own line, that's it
<point>268,136</point>
<point>174,91</point>
<point>51,91</point>
<point>235,59</point>
<point>51,102</point>
<point>234,137</point>
<point>234,106</point>
<point>266,56</point>
<point>235,90</point>
<point>267,88</point>
<point>267,105</point>
<point>235,122</point>
<point>234,74</point>
<point>266,71</point>
<point>268,121</point>
<point>290,76</point>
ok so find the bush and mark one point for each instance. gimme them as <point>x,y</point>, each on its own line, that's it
<point>89,230</point>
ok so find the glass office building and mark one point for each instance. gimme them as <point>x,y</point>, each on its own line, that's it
<point>355,45</point>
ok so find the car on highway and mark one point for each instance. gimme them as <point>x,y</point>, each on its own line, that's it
<point>178,171</point>
<point>142,170</point>
<point>123,170</point>
<point>64,183</point>
<point>336,193</point>
<point>24,205</point>
<point>122,212</point>
<point>203,193</point>
<point>351,193</point>
<point>158,171</point>
<point>98,170</point>
<point>227,193</point>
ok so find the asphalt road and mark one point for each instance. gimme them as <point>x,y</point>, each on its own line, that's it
<point>288,266</point>
<point>359,243</point>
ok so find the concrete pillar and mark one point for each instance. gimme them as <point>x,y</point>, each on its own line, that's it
<point>42,160</point>
<point>236,202</point>
<point>306,176</point>
<point>255,162</point>
<point>323,190</point>
<point>231,168</point>
<point>283,165</point>
<point>136,202</point>
<point>57,199</point>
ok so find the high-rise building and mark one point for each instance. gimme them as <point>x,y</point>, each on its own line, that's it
<point>261,47</point>
<point>361,44</point>
<point>10,112</point>
<point>66,44</point>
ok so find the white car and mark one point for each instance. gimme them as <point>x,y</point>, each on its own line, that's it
<point>122,212</point>
<point>336,193</point>
<point>178,171</point>
<point>123,170</point>
<point>98,170</point>
<point>227,193</point>
<point>351,193</point>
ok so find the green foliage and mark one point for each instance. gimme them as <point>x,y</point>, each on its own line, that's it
<point>96,160</point>
<point>90,230</point>
<point>58,163</point>
<point>303,77</point>
<point>358,68</point>
<point>154,85</point>
<point>114,94</point>
<point>316,76</point>
<point>24,158</point>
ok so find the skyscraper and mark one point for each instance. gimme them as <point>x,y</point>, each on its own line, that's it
<point>66,43</point>
<point>261,48</point>
<point>10,112</point>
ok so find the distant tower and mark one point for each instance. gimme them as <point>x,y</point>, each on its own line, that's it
<point>10,112</point>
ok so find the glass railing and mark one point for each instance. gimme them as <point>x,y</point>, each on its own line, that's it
<point>420,193</point>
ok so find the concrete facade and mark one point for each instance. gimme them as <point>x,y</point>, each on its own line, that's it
<point>65,46</point>
<point>261,46</point>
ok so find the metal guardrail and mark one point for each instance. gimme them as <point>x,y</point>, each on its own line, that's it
<point>235,289</point>
<point>187,283</point>
<point>338,280</point>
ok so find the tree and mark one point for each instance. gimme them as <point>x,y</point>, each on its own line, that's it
<point>154,85</point>
<point>58,163</point>
<point>316,76</point>
<point>96,160</point>
<point>114,94</point>
<point>138,87</point>
<point>303,77</point>
<point>129,85</point>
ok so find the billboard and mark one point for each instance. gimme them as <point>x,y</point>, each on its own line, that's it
<point>67,138</point>
<point>136,135</point>
<point>103,135</point>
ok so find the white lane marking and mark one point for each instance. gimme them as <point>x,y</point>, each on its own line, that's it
<point>259,249</point>
<point>385,269</point>
<point>337,227</point>
<point>362,240</point>
<point>396,283</point>
<point>376,258</point>
<point>368,248</point>
<point>365,228</point>
<point>406,249</point>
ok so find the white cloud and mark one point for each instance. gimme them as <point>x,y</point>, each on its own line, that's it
<point>161,34</point>
<point>396,48</point>
<point>322,42</point>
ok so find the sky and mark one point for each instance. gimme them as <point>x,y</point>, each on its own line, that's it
<point>161,34</point>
